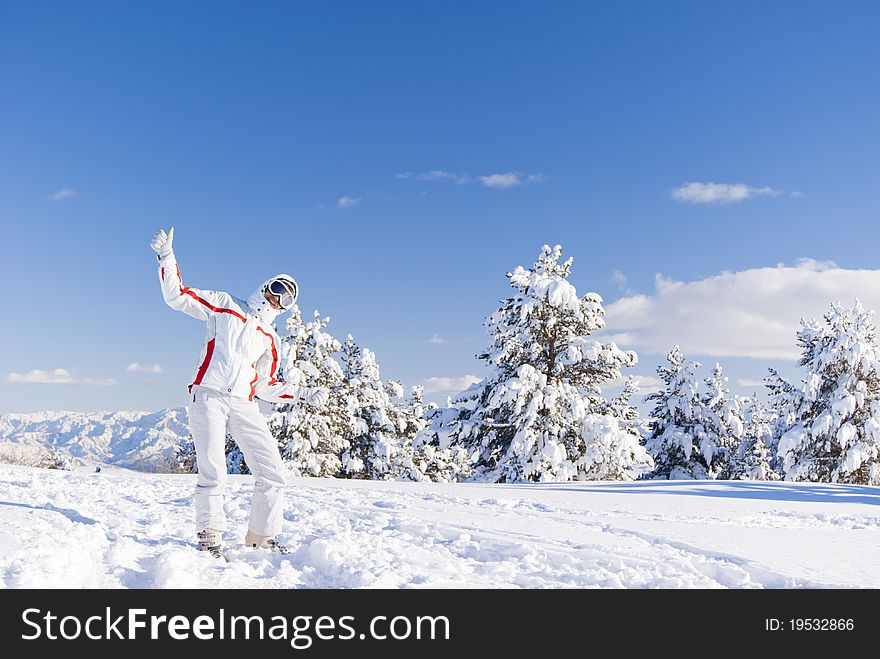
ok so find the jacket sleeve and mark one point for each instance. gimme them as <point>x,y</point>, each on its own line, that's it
<point>268,387</point>
<point>194,302</point>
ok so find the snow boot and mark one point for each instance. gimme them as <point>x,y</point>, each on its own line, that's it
<point>255,541</point>
<point>211,541</point>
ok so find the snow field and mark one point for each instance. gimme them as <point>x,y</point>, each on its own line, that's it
<point>125,529</point>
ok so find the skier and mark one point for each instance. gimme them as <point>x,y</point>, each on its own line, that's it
<point>238,363</point>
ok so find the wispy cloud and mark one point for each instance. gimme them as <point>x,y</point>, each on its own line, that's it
<point>137,367</point>
<point>751,313</point>
<point>750,382</point>
<point>433,385</point>
<point>437,339</point>
<point>620,280</point>
<point>499,181</point>
<point>57,376</point>
<point>648,381</point>
<point>510,180</point>
<point>63,193</point>
<point>436,175</point>
<point>723,193</point>
<point>348,202</point>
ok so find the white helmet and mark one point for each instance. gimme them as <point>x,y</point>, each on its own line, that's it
<point>284,287</point>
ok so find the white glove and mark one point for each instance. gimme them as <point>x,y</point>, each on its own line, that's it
<point>161,242</point>
<point>317,397</point>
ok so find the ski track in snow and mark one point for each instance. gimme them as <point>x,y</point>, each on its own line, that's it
<point>130,530</point>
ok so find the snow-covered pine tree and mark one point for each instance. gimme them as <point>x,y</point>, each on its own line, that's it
<point>541,415</point>
<point>836,433</point>
<point>29,455</point>
<point>235,462</point>
<point>784,402</point>
<point>754,460</point>
<point>377,445</point>
<point>720,434</point>
<point>183,459</point>
<point>434,459</point>
<point>416,409</point>
<point>622,408</point>
<point>311,441</point>
<point>676,421</point>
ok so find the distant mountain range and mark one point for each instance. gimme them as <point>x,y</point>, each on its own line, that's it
<point>135,440</point>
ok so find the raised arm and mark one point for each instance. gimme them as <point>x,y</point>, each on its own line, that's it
<point>194,302</point>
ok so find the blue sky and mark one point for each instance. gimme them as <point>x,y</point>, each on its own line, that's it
<point>297,137</point>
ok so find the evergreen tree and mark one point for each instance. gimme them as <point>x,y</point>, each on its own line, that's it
<point>784,402</point>
<point>754,461</point>
<point>541,414</point>
<point>183,459</point>
<point>694,434</point>
<point>621,406</point>
<point>720,433</point>
<point>311,441</point>
<point>377,443</point>
<point>434,457</point>
<point>676,421</point>
<point>235,462</point>
<point>836,430</point>
<point>415,410</point>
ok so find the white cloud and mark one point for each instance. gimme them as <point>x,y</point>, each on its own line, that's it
<point>620,280</point>
<point>56,376</point>
<point>436,175</point>
<point>721,193</point>
<point>449,384</point>
<point>646,381</point>
<point>63,193</point>
<point>752,313</point>
<point>347,202</point>
<point>136,367</point>
<point>510,179</point>
<point>436,339</point>
<point>499,181</point>
<point>750,382</point>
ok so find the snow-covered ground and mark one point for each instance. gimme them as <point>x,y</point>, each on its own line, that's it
<point>119,528</point>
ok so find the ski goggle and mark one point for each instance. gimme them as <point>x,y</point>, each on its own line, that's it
<point>285,290</point>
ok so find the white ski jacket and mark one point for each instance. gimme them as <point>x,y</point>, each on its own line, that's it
<point>241,352</point>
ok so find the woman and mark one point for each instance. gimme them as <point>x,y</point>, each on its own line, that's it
<point>238,363</point>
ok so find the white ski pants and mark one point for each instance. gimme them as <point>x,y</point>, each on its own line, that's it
<point>211,414</point>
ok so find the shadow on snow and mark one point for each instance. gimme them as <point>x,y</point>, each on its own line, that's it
<point>72,515</point>
<point>773,491</point>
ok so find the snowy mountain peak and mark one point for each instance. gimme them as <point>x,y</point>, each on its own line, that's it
<point>136,440</point>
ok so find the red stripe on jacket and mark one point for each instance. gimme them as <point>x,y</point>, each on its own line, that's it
<point>272,379</point>
<point>254,381</point>
<point>204,367</point>
<point>185,290</point>
<point>188,291</point>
